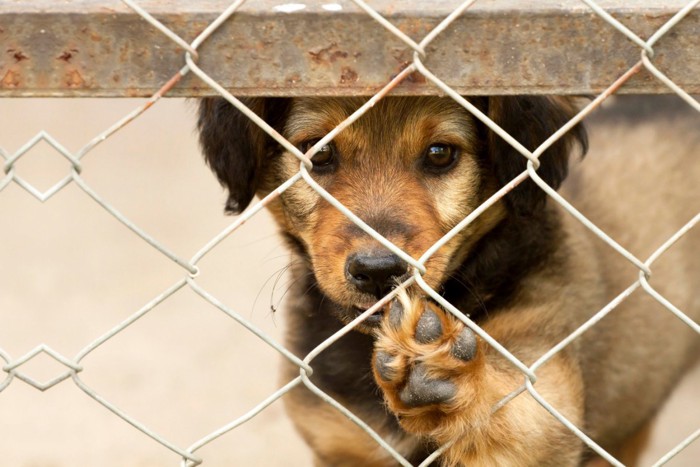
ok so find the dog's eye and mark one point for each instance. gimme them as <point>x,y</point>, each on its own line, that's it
<point>325,157</point>
<point>439,158</point>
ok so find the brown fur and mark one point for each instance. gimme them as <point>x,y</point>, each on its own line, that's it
<point>525,271</point>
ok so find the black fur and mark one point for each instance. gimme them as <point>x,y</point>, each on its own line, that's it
<point>531,120</point>
<point>235,148</point>
<point>488,278</point>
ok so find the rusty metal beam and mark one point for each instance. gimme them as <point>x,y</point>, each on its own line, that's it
<point>93,48</point>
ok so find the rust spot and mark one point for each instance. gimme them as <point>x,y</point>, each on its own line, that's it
<point>327,54</point>
<point>403,56</point>
<point>67,55</point>
<point>74,79</point>
<point>18,55</point>
<point>348,75</point>
<point>338,54</point>
<point>416,78</point>
<point>124,54</point>
<point>11,79</point>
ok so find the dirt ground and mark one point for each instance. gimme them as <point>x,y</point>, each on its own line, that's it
<point>71,272</point>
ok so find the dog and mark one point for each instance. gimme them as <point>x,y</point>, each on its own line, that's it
<point>525,271</point>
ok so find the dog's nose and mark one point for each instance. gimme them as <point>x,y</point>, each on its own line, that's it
<point>375,272</point>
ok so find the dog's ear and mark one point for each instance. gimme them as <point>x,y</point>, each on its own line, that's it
<point>531,120</point>
<point>235,147</point>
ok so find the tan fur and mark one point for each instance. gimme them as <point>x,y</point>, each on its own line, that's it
<point>638,184</point>
<point>522,432</point>
<point>652,194</point>
<point>519,433</point>
<point>380,182</point>
<point>341,443</point>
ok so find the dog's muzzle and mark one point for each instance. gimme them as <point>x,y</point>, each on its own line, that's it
<point>375,272</point>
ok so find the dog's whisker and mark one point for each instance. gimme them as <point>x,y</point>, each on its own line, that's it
<point>274,286</point>
<point>276,275</point>
<point>287,287</point>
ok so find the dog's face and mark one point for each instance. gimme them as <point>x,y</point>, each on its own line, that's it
<point>411,168</point>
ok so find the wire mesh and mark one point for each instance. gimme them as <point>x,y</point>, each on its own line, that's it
<point>13,366</point>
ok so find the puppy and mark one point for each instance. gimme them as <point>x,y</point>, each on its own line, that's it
<point>525,271</point>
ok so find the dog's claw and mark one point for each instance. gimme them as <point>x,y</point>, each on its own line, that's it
<point>395,314</point>
<point>382,362</point>
<point>421,390</point>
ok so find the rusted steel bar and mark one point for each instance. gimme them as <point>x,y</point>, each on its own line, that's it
<point>269,47</point>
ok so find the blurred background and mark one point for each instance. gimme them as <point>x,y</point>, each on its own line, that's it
<point>70,272</point>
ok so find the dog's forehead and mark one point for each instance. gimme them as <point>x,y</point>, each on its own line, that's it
<point>390,114</point>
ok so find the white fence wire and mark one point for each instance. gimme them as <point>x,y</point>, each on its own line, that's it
<point>13,366</point>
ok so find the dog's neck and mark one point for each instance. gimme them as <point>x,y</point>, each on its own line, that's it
<point>488,278</point>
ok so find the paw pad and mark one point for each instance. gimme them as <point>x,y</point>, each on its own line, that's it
<point>464,346</point>
<point>421,353</point>
<point>429,327</point>
<point>421,390</point>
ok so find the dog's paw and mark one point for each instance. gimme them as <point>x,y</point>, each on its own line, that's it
<point>427,363</point>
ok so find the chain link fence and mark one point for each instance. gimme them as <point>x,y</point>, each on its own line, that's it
<point>415,68</point>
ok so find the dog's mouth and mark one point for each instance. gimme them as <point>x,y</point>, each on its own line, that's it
<point>372,321</point>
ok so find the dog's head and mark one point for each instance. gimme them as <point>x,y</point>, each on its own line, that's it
<point>411,168</point>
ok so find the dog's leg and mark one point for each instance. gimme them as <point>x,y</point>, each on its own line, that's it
<point>443,383</point>
<point>335,440</point>
<point>630,450</point>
